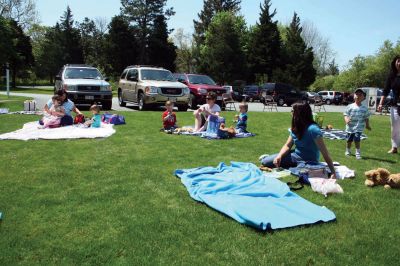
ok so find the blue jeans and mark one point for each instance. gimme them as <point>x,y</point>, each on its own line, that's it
<point>291,159</point>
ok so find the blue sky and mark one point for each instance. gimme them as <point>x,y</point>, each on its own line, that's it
<point>354,27</point>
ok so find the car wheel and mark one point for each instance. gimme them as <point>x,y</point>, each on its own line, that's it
<point>328,102</point>
<point>281,101</point>
<point>192,102</point>
<point>142,105</point>
<point>183,108</point>
<point>106,105</point>
<point>120,100</point>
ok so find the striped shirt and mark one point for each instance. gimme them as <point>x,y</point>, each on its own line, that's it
<point>357,115</point>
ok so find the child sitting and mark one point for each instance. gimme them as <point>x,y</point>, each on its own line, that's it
<point>241,119</point>
<point>52,118</point>
<point>95,121</point>
<point>169,117</point>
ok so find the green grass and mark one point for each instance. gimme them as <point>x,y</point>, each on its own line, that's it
<point>116,200</point>
<point>45,90</point>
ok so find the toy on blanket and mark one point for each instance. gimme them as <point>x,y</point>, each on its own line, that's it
<point>226,133</point>
<point>381,176</point>
<point>329,127</point>
<point>180,130</point>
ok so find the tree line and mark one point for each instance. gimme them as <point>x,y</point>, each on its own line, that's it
<point>222,45</point>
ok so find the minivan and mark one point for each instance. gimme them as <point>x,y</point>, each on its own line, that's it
<point>284,93</point>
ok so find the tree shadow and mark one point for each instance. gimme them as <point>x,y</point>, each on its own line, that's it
<point>379,159</point>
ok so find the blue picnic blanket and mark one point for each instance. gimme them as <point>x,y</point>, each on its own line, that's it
<point>241,191</point>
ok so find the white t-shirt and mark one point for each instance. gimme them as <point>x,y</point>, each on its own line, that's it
<point>213,110</point>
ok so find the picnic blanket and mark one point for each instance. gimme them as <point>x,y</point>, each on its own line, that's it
<point>31,131</point>
<point>242,192</point>
<point>337,134</point>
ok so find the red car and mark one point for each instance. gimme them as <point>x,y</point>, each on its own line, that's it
<point>199,86</point>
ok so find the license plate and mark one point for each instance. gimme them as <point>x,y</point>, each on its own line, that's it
<point>89,97</point>
<point>219,98</point>
<point>173,99</point>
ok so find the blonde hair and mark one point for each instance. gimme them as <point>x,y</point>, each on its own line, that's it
<point>169,103</point>
<point>245,105</point>
<point>95,108</point>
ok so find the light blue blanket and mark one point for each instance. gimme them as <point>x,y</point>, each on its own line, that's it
<point>242,192</point>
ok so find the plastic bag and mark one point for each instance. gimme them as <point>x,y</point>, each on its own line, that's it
<point>325,186</point>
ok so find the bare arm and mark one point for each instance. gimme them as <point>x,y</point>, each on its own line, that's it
<point>367,126</point>
<point>347,119</point>
<point>76,110</point>
<point>284,150</point>
<point>322,148</point>
<point>381,103</point>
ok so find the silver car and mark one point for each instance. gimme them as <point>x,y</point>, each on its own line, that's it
<point>146,86</point>
<point>85,86</point>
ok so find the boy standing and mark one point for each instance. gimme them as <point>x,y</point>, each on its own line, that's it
<point>356,118</point>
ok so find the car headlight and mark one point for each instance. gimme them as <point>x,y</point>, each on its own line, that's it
<point>72,87</point>
<point>151,89</point>
<point>186,91</point>
<point>202,91</point>
<point>105,88</point>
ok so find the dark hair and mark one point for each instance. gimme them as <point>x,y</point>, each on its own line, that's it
<point>61,92</point>
<point>211,95</point>
<point>393,68</point>
<point>302,118</point>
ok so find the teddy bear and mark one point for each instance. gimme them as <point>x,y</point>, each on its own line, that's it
<point>381,176</point>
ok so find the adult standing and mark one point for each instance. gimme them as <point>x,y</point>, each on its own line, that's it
<point>393,83</point>
<point>68,105</point>
<point>306,136</point>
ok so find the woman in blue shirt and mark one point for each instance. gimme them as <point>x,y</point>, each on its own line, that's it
<point>68,105</point>
<point>306,136</point>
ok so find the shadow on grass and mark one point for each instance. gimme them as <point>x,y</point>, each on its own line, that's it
<point>378,159</point>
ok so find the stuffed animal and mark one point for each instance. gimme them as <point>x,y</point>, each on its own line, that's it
<point>381,176</point>
<point>329,127</point>
<point>183,129</point>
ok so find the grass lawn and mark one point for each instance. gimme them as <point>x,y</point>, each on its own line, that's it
<point>116,200</point>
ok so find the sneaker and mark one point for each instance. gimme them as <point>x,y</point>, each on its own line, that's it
<point>262,157</point>
<point>392,150</point>
<point>358,156</point>
<point>347,153</point>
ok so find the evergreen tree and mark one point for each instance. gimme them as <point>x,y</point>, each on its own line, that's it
<point>71,40</point>
<point>6,43</point>
<point>298,68</point>
<point>210,8</point>
<point>120,46</point>
<point>161,51</point>
<point>21,57</point>
<point>92,43</point>
<point>264,45</point>
<point>222,52</point>
<point>142,14</point>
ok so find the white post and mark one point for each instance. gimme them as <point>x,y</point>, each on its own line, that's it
<point>8,80</point>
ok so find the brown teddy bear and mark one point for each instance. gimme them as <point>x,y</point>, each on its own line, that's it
<point>381,176</point>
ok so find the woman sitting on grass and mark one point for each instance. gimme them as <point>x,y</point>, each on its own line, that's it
<point>307,137</point>
<point>68,106</point>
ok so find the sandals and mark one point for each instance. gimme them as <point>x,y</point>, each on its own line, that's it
<point>392,150</point>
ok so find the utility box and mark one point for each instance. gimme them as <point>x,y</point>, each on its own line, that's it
<point>370,99</point>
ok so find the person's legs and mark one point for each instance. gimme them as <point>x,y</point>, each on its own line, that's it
<point>349,137</point>
<point>66,120</point>
<point>395,128</point>
<point>289,160</point>
<point>199,120</point>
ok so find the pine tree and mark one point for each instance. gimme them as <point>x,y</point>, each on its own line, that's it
<point>142,14</point>
<point>161,51</point>
<point>222,52</point>
<point>71,39</point>
<point>264,45</point>
<point>298,68</point>
<point>120,46</point>
<point>210,8</point>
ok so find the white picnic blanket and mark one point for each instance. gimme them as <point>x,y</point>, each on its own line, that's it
<point>31,130</point>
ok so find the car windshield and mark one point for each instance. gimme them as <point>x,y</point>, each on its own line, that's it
<point>82,73</point>
<point>157,74</point>
<point>201,79</point>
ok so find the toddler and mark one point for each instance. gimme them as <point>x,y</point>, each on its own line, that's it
<point>95,121</point>
<point>52,118</point>
<point>356,118</point>
<point>241,119</point>
<point>169,117</point>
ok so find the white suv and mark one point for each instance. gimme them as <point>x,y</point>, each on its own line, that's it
<point>85,85</point>
<point>330,97</point>
<point>146,86</point>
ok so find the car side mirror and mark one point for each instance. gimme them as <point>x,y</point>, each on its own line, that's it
<point>58,77</point>
<point>107,79</point>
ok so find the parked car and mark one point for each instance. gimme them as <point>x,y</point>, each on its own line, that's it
<point>147,86</point>
<point>311,96</point>
<point>348,98</point>
<point>199,86</point>
<point>85,86</point>
<point>252,93</point>
<point>284,93</point>
<point>330,97</point>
